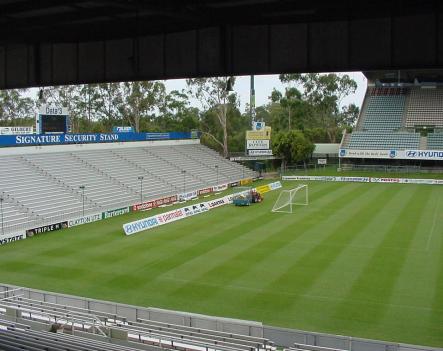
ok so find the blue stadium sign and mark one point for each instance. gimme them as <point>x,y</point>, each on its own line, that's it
<point>57,139</point>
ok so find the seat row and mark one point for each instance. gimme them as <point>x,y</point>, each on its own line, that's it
<point>72,319</point>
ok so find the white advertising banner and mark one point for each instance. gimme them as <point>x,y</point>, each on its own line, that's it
<point>351,153</point>
<point>258,144</point>
<point>221,187</point>
<point>367,179</point>
<point>183,212</point>
<point>219,202</point>
<point>260,152</point>
<point>83,220</point>
<point>9,238</point>
<point>436,155</point>
<point>275,185</point>
<point>329,178</point>
<point>187,196</point>
<point>432,155</point>
<point>16,130</point>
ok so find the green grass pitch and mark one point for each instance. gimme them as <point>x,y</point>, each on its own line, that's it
<point>362,260</point>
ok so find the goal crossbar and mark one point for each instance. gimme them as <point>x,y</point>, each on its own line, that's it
<point>298,196</point>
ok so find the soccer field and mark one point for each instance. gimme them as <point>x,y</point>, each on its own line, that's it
<point>362,260</point>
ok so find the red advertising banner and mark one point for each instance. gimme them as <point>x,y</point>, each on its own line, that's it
<point>155,203</point>
<point>205,191</point>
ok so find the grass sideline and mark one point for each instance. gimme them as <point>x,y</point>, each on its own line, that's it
<point>362,259</point>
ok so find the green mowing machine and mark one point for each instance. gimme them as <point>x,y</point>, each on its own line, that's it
<point>245,196</point>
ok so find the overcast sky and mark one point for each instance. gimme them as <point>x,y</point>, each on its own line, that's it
<point>264,85</point>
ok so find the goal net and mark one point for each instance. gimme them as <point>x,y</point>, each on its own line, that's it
<point>288,198</point>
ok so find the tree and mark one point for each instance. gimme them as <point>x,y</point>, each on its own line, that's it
<point>289,110</point>
<point>110,104</point>
<point>350,115</point>
<point>292,146</point>
<point>325,93</point>
<point>140,99</point>
<point>213,95</point>
<point>14,106</point>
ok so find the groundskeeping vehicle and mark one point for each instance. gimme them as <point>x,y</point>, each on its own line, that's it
<point>246,196</point>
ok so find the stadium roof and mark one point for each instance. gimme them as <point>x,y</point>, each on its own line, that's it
<point>88,20</point>
<point>406,76</point>
<point>49,42</point>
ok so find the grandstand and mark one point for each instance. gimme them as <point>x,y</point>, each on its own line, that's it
<point>60,182</point>
<point>26,322</point>
<point>399,117</point>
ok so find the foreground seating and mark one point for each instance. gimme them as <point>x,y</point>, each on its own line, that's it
<point>74,320</point>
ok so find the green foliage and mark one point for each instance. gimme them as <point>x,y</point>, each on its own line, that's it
<point>292,145</point>
<point>323,95</point>
<point>220,103</point>
<point>14,106</point>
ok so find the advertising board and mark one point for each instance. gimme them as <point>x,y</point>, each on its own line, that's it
<point>46,228</point>
<point>260,152</point>
<point>257,144</point>
<point>11,237</point>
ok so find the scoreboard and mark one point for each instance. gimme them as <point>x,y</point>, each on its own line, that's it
<point>52,120</point>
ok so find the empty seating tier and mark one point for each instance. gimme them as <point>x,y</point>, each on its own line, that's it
<point>384,140</point>
<point>435,141</point>
<point>384,113</point>
<point>39,188</point>
<point>425,107</point>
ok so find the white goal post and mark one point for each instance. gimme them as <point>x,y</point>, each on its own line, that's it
<point>288,198</point>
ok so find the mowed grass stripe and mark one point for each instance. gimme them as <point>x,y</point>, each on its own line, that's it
<point>202,267</point>
<point>228,231</point>
<point>272,241</point>
<point>317,307</point>
<point>436,316</point>
<point>338,279</point>
<point>301,275</point>
<point>378,279</point>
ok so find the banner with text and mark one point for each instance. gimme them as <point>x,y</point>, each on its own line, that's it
<point>246,181</point>
<point>432,155</point>
<point>116,212</point>
<point>46,228</point>
<point>84,220</point>
<point>367,179</point>
<point>257,144</point>
<point>183,212</point>
<point>187,196</point>
<point>16,130</point>
<point>55,139</point>
<point>222,187</point>
<point>9,238</point>
<point>205,191</point>
<point>260,152</point>
<point>155,203</point>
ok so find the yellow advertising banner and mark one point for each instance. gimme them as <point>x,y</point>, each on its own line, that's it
<point>264,134</point>
<point>246,181</point>
<point>263,189</point>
